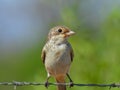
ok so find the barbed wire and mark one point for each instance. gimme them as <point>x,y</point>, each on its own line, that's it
<point>16,83</point>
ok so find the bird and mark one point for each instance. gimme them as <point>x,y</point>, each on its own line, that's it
<point>57,55</point>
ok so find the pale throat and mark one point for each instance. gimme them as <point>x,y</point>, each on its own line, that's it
<point>58,40</point>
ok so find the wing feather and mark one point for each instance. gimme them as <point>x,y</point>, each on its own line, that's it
<point>71,54</point>
<point>43,55</point>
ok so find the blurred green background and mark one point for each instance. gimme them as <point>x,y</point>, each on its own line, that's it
<point>23,29</point>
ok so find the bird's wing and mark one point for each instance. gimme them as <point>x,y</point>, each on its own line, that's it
<point>71,54</point>
<point>43,55</point>
<point>71,51</point>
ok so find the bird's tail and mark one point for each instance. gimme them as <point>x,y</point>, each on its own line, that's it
<point>61,79</point>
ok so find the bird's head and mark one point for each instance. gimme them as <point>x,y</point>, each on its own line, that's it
<point>60,32</point>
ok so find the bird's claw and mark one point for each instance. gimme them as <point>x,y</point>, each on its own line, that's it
<point>46,84</point>
<point>71,84</point>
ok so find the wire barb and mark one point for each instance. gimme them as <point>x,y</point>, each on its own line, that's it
<point>16,83</point>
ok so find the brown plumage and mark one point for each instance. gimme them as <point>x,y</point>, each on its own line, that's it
<point>57,55</point>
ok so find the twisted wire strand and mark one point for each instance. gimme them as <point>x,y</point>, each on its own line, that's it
<point>16,83</point>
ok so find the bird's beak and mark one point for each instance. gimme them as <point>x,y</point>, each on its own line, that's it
<point>70,33</point>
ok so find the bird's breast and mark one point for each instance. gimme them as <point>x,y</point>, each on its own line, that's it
<point>58,60</point>
<point>58,54</point>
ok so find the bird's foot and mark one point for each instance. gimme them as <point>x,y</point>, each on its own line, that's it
<point>46,84</point>
<point>71,84</point>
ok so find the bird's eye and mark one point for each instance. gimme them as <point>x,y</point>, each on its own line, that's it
<point>60,30</point>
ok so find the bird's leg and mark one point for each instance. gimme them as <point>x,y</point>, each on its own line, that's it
<point>71,82</point>
<point>47,83</point>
